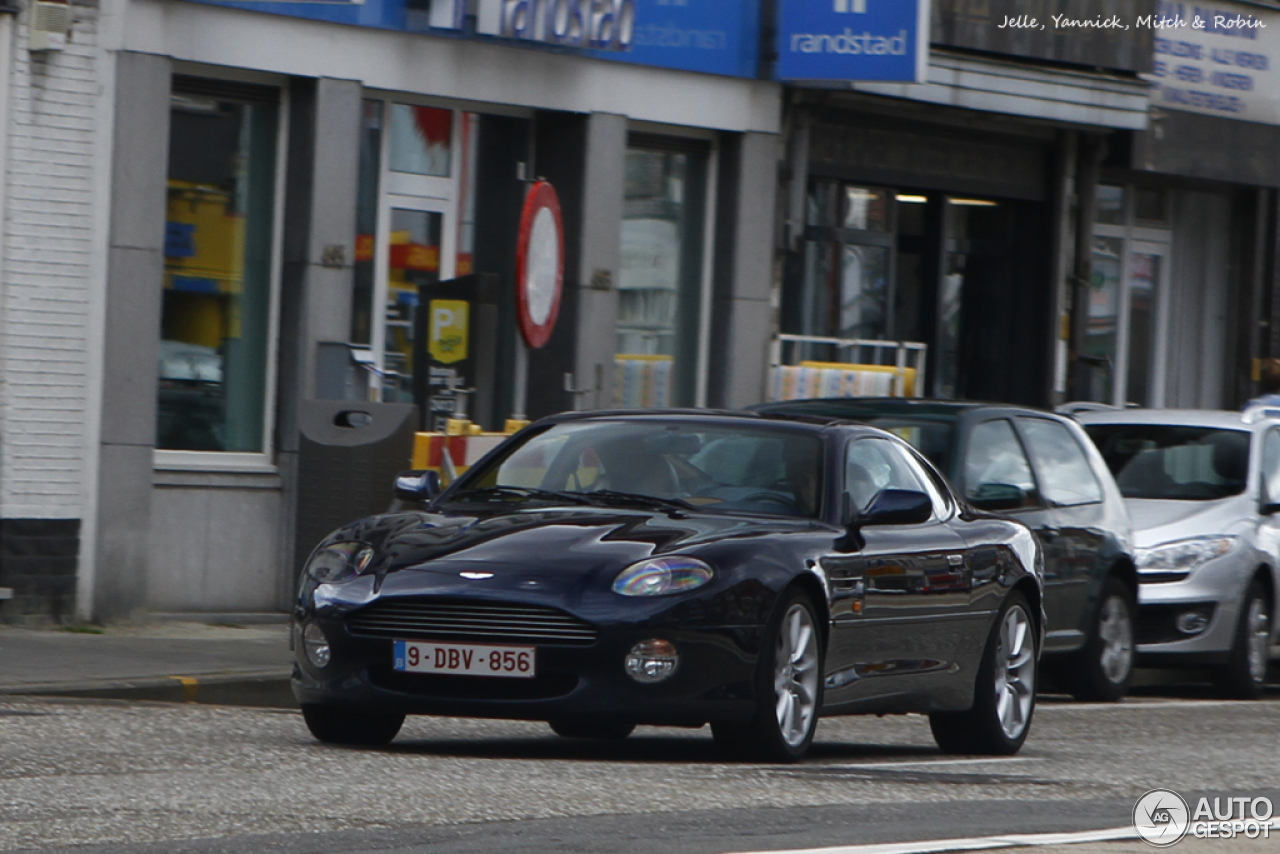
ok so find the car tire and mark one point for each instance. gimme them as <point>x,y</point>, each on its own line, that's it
<point>788,688</point>
<point>1101,671</point>
<point>351,725</point>
<point>1004,692</point>
<point>1245,672</point>
<point>587,728</point>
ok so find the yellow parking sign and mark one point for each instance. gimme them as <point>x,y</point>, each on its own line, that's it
<point>447,323</point>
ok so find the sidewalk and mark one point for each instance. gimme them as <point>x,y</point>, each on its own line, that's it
<point>168,660</point>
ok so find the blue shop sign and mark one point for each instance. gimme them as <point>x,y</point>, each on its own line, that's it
<point>711,36</point>
<point>829,40</point>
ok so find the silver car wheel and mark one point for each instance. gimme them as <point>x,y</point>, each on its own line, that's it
<point>1259,638</point>
<point>1015,681</point>
<point>795,677</point>
<point>1115,629</point>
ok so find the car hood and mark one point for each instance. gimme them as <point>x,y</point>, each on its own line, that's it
<point>1158,521</point>
<point>542,550</point>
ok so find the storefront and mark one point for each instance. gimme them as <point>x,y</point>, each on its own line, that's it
<point>281,191</point>
<point>944,212</point>
<point>1181,299</point>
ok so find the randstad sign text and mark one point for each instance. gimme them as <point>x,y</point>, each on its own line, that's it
<point>828,40</point>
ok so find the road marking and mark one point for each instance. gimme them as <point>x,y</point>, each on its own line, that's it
<point>880,766</point>
<point>978,843</point>
<point>190,688</point>
<point>982,843</point>
<point>1140,703</point>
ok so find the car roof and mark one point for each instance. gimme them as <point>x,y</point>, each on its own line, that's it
<point>857,408</point>
<point>712,415</point>
<point>1219,418</point>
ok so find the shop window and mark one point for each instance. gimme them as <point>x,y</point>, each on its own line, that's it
<point>846,290</point>
<point>420,140</point>
<point>1123,341</point>
<point>414,261</point>
<point>1151,206</point>
<point>660,283</point>
<point>866,209</point>
<point>217,288</point>
<point>1111,205</point>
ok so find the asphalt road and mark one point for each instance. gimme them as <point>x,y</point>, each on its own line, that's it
<point>136,777</point>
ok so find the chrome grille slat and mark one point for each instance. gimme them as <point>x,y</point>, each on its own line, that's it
<point>433,619</point>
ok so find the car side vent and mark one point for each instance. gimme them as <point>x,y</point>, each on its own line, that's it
<point>476,621</point>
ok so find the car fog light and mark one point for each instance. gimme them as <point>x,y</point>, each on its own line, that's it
<point>1191,622</point>
<point>652,661</point>
<point>316,645</point>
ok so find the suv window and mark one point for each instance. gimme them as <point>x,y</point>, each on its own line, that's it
<point>994,460</point>
<point>1066,478</point>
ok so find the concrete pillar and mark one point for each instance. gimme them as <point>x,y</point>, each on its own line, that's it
<point>131,335</point>
<point>600,257</point>
<point>742,321</point>
<point>321,183</point>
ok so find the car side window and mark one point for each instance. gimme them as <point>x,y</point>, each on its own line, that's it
<point>994,461</point>
<point>1066,478</point>
<point>1271,467</point>
<point>875,464</point>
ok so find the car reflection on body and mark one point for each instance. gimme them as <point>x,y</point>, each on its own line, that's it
<point>599,571</point>
<point>1040,469</point>
<point>1203,489</point>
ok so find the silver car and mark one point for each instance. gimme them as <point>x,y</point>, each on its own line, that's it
<point>1203,490</point>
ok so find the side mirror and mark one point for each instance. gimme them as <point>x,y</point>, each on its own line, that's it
<point>897,507</point>
<point>418,485</point>
<point>997,497</point>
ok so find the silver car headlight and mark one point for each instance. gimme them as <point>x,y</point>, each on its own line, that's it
<point>339,562</point>
<point>660,576</point>
<point>1184,556</point>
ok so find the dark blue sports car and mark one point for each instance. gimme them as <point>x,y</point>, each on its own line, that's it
<point>603,570</point>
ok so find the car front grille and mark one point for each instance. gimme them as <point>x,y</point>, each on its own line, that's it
<point>474,621</point>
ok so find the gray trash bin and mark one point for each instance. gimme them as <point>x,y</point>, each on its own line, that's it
<point>348,456</point>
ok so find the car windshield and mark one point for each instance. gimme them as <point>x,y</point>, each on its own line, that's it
<point>1174,461</point>
<point>765,469</point>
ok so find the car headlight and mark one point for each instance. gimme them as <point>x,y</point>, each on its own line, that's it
<point>660,576</point>
<point>339,562</point>
<point>1184,555</point>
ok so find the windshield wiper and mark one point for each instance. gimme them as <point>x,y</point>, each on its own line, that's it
<point>520,492</point>
<point>613,496</point>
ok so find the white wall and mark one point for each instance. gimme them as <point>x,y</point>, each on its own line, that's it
<point>49,242</point>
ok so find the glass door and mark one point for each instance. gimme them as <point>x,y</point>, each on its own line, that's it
<point>1127,298</point>
<point>1146,273</point>
<point>416,249</point>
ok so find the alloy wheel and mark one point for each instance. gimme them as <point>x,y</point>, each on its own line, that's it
<point>1015,673</point>
<point>1115,629</point>
<point>795,678</point>
<point>1259,638</point>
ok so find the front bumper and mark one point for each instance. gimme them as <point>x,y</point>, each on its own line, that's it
<point>714,679</point>
<point>1215,589</point>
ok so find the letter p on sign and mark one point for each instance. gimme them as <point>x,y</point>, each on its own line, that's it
<point>447,330</point>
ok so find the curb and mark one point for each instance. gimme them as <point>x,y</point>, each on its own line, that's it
<point>270,690</point>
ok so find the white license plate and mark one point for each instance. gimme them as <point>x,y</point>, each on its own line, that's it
<point>465,658</point>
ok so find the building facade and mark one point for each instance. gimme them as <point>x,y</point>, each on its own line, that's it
<point>216,213</point>
<point>242,191</point>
